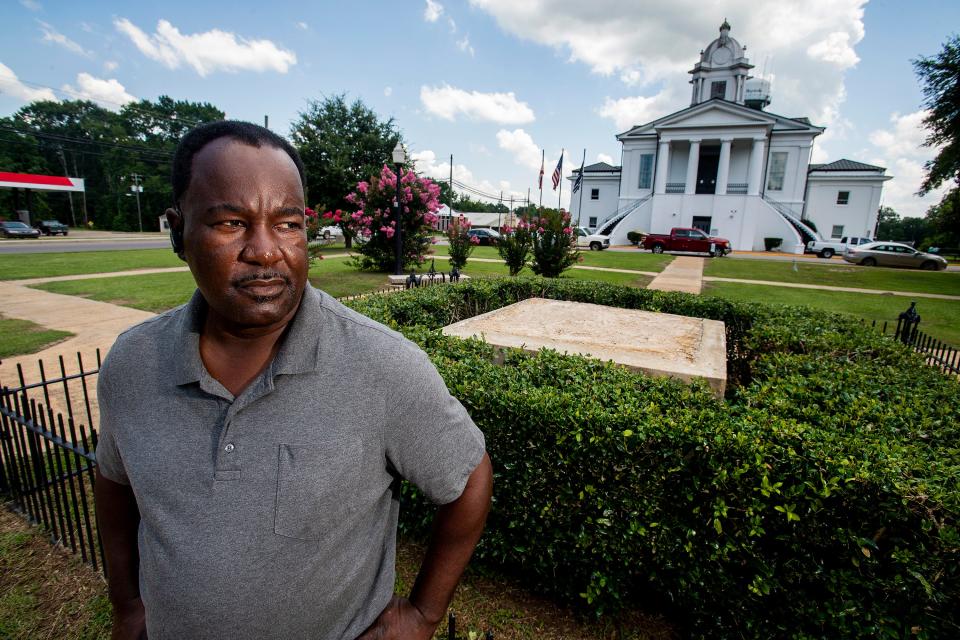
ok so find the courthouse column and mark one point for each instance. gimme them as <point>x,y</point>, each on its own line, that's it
<point>663,165</point>
<point>757,156</point>
<point>693,163</point>
<point>723,170</point>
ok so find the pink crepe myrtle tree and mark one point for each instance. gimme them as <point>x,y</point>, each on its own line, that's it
<point>554,244</point>
<point>461,243</point>
<point>373,223</point>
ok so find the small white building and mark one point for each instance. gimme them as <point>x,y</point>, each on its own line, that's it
<point>728,167</point>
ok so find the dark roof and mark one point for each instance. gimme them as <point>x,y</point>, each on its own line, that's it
<point>598,167</point>
<point>803,119</point>
<point>845,165</point>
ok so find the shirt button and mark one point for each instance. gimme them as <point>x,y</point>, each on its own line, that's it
<point>229,448</point>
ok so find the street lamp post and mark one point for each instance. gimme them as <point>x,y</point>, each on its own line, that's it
<point>399,157</point>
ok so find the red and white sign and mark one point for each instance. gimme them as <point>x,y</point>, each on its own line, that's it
<point>39,183</point>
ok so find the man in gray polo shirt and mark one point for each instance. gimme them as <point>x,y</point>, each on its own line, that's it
<point>252,441</point>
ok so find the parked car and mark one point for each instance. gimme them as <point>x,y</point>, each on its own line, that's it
<point>686,239</point>
<point>52,227</point>
<point>485,236</point>
<point>829,248</point>
<point>594,241</point>
<point>894,254</point>
<point>330,231</point>
<point>15,229</point>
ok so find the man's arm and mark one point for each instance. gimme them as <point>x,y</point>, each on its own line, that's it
<point>118,518</point>
<point>456,530</point>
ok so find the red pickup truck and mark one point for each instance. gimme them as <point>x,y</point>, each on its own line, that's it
<point>684,239</point>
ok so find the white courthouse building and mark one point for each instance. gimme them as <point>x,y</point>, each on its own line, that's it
<point>728,166</point>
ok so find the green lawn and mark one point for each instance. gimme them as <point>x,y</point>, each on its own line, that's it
<point>637,261</point>
<point>158,292</point>
<point>20,337</point>
<point>939,317</point>
<point>837,274</point>
<point>43,265</point>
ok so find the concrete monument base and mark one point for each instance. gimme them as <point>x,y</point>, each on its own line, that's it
<point>658,344</point>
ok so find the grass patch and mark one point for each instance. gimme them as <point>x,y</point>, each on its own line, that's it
<point>638,261</point>
<point>837,274</point>
<point>157,292</point>
<point>939,317</point>
<point>46,265</point>
<point>20,337</point>
<point>153,292</point>
<point>46,593</point>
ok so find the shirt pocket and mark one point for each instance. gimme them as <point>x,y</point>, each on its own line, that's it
<point>317,487</point>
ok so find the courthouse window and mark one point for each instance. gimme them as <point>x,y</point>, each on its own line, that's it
<point>778,169</point>
<point>646,170</point>
<point>718,89</point>
<point>594,194</point>
<point>843,197</point>
<point>837,231</point>
<point>593,222</point>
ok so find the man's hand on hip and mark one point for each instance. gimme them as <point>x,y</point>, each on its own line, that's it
<point>400,620</point>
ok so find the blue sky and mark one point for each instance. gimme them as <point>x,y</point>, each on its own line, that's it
<point>493,81</point>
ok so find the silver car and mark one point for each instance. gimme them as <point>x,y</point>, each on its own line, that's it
<point>893,254</point>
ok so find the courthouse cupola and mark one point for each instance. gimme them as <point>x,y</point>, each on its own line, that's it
<point>722,71</point>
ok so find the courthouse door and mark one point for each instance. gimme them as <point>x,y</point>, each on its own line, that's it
<point>707,169</point>
<point>702,223</point>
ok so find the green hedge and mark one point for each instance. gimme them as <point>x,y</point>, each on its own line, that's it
<point>819,499</point>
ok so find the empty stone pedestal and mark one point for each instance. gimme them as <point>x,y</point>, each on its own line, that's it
<point>658,344</point>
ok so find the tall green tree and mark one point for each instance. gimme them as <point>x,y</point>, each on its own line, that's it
<point>940,81</point>
<point>944,221</point>
<point>341,144</point>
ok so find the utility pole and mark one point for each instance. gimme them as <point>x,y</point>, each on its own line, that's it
<point>450,204</point>
<point>63,160</point>
<point>83,193</point>
<point>266,121</point>
<point>136,188</point>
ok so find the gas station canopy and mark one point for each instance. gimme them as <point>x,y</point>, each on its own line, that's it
<point>39,183</point>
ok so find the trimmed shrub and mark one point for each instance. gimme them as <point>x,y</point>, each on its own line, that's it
<point>635,237</point>
<point>554,245</point>
<point>772,243</point>
<point>819,499</point>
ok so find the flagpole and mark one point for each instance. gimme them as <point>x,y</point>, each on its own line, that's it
<point>560,193</point>
<point>543,159</point>
<point>580,206</point>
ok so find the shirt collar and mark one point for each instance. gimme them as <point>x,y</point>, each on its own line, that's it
<point>298,352</point>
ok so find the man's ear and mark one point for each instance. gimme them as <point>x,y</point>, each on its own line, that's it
<point>175,220</point>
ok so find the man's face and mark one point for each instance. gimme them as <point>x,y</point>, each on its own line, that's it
<point>243,233</point>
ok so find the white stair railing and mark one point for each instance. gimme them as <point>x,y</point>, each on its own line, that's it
<point>608,225</point>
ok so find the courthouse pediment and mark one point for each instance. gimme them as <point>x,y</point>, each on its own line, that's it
<point>719,113</point>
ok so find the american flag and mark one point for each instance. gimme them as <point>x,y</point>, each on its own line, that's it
<point>541,173</point>
<point>579,180</point>
<point>557,172</point>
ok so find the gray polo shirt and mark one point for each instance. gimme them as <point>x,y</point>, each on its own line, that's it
<point>274,514</point>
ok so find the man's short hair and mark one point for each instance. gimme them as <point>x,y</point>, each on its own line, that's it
<point>245,132</point>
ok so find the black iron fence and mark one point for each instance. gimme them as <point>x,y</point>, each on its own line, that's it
<point>937,353</point>
<point>47,443</point>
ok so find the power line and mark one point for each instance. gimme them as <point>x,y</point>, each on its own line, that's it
<point>56,137</point>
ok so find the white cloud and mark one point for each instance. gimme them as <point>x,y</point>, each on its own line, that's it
<point>388,91</point>
<point>448,102</point>
<point>432,11</point>
<point>33,5</point>
<point>10,85</point>
<point>111,65</point>
<point>303,26</point>
<point>50,34</point>
<point>602,157</point>
<point>835,49</point>
<point>465,46</point>
<point>427,164</point>
<point>518,143</point>
<point>627,112</point>
<point>651,45</point>
<point>108,93</point>
<point>899,148</point>
<point>206,52</point>
<point>452,24</point>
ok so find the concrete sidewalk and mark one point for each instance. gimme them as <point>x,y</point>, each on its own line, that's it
<point>684,274</point>
<point>826,287</point>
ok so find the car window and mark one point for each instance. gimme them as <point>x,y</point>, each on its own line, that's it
<point>843,240</point>
<point>682,233</point>
<point>15,225</point>
<point>581,233</point>
<point>696,233</point>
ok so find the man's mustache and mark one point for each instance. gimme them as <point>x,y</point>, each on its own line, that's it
<point>263,275</point>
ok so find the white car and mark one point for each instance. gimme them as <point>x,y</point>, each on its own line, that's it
<point>593,241</point>
<point>330,231</point>
<point>830,248</point>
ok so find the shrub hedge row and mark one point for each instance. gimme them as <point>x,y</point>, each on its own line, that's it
<point>819,499</point>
